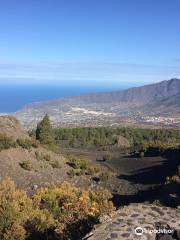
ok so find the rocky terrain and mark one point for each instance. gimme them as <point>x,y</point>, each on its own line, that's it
<point>134,106</point>
<point>44,166</point>
<point>135,183</point>
<point>41,174</point>
<point>11,127</point>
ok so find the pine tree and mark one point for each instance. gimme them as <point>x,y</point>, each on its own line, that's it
<point>44,131</point>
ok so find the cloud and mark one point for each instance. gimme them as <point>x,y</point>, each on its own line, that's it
<point>85,73</point>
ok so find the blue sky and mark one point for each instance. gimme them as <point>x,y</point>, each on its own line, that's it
<point>89,41</point>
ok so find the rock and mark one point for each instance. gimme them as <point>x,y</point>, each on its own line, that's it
<point>105,218</point>
<point>114,235</point>
<point>35,187</point>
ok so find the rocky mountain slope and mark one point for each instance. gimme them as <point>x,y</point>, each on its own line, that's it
<point>110,108</point>
<point>165,105</point>
<point>32,165</point>
<point>11,127</point>
<point>136,95</point>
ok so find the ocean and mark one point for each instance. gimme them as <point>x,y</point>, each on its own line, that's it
<point>14,97</point>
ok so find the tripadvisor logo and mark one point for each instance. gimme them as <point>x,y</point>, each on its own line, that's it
<point>139,231</point>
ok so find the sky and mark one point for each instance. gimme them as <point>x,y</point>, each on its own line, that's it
<point>89,42</point>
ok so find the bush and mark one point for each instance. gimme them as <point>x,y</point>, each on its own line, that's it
<point>78,163</point>
<point>141,154</point>
<point>105,176</point>
<point>90,171</point>
<point>27,165</point>
<point>107,157</point>
<point>27,143</point>
<point>64,212</point>
<point>93,170</point>
<point>96,170</point>
<point>46,157</point>
<point>6,142</point>
<point>101,197</point>
<point>43,157</point>
<point>175,178</point>
<point>15,211</point>
<point>81,166</point>
<point>55,164</point>
<point>75,210</point>
<point>71,173</point>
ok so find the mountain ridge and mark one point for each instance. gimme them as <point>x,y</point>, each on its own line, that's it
<point>128,95</point>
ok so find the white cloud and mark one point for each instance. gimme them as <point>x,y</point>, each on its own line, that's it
<point>86,73</point>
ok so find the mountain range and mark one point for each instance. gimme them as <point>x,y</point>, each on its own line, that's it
<point>109,108</point>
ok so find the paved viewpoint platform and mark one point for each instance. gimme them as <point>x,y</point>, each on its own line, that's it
<point>140,221</point>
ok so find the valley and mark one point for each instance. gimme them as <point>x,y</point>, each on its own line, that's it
<point>90,157</point>
<point>155,105</point>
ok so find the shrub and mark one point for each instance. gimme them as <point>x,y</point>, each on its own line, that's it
<point>82,167</point>
<point>105,176</point>
<point>43,157</point>
<point>75,210</point>
<point>63,212</point>
<point>157,202</point>
<point>26,164</point>
<point>102,197</point>
<point>15,210</point>
<point>6,142</point>
<point>141,154</point>
<point>107,157</point>
<point>93,170</point>
<point>19,217</point>
<point>78,163</point>
<point>90,171</point>
<point>71,173</point>
<point>105,148</point>
<point>175,178</point>
<point>96,170</point>
<point>55,164</point>
<point>71,142</point>
<point>46,157</point>
<point>27,143</point>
